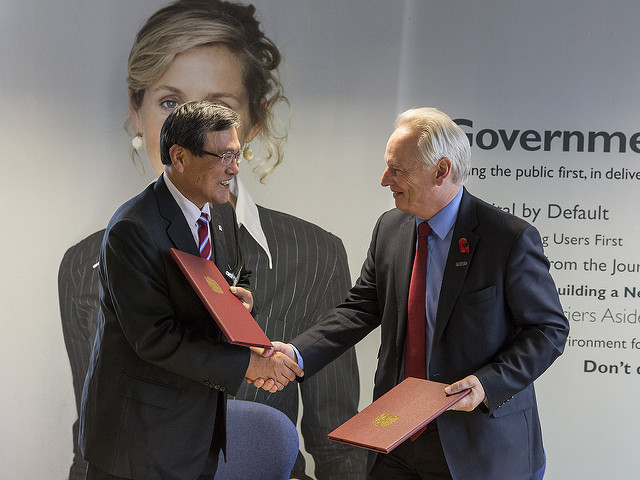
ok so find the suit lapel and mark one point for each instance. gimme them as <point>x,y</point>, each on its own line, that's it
<point>178,230</point>
<point>404,252</point>
<point>458,262</point>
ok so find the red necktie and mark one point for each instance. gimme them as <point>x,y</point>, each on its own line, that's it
<point>203,236</point>
<point>415,362</point>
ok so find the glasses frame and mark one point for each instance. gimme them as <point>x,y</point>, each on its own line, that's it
<point>227,158</point>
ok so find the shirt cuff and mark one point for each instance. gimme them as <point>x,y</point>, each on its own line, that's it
<point>298,356</point>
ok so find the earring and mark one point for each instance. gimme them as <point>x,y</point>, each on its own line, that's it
<point>137,142</point>
<point>247,153</point>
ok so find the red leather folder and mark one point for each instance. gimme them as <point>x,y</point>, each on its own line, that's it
<point>230,314</point>
<point>404,410</point>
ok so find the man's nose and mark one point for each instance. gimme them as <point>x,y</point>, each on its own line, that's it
<point>233,169</point>
<point>385,181</point>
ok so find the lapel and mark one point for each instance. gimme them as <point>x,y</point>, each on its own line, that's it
<point>181,237</point>
<point>178,231</point>
<point>404,251</point>
<point>458,262</point>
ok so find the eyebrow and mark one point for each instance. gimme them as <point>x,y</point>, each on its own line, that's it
<point>210,96</point>
<point>391,165</point>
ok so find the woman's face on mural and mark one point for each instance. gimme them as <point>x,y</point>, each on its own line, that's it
<point>201,73</point>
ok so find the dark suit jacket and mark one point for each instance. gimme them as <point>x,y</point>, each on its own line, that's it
<point>498,317</point>
<point>153,404</point>
<point>310,275</point>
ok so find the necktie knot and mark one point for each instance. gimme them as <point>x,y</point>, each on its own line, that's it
<point>424,229</point>
<point>203,221</point>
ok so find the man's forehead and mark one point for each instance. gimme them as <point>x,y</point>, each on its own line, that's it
<point>402,157</point>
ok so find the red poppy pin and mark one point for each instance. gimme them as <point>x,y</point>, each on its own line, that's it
<point>464,245</point>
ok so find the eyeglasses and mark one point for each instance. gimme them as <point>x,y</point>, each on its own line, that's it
<point>227,158</point>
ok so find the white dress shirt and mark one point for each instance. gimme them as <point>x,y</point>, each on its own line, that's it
<point>247,215</point>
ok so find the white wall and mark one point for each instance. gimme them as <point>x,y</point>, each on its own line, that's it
<point>350,68</point>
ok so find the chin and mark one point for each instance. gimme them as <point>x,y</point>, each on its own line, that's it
<point>400,205</point>
<point>224,198</point>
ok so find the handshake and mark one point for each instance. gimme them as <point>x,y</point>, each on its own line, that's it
<point>269,368</point>
<point>273,368</point>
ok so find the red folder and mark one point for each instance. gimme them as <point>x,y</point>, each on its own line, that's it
<point>230,314</point>
<point>404,410</point>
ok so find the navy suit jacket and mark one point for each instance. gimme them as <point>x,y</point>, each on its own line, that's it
<point>153,404</point>
<point>498,317</point>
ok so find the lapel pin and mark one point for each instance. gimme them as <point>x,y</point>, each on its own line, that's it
<point>220,227</point>
<point>461,264</point>
<point>464,245</point>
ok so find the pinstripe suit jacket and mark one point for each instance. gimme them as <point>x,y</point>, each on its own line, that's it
<point>498,317</point>
<point>78,287</point>
<point>310,275</point>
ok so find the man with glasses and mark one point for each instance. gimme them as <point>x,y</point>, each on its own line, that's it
<point>153,404</point>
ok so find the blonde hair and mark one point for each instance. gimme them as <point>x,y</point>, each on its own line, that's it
<point>185,24</point>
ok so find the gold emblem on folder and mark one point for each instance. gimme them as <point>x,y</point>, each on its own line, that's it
<point>385,420</point>
<point>213,284</point>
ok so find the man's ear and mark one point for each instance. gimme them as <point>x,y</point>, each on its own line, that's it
<point>443,169</point>
<point>177,155</point>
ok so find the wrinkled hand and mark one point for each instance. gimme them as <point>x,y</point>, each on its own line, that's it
<point>471,401</point>
<point>277,368</point>
<point>244,296</point>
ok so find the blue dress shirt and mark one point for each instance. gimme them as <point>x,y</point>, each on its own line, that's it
<point>439,241</point>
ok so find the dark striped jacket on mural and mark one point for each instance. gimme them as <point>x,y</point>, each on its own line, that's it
<point>310,275</point>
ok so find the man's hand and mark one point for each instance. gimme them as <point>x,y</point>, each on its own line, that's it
<point>244,296</point>
<point>267,352</point>
<point>278,370</point>
<point>280,347</point>
<point>471,401</point>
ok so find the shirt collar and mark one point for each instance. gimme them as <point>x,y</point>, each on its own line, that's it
<point>442,222</point>
<point>189,209</point>
<point>247,215</point>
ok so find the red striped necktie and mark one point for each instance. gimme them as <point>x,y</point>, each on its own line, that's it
<point>203,236</point>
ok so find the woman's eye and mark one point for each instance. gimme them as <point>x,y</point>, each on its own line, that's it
<point>170,104</point>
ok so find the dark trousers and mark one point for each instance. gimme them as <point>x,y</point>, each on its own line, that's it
<point>422,459</point>
<point>209,472</point>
